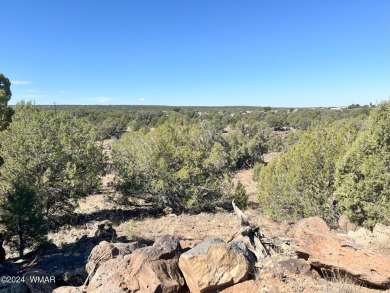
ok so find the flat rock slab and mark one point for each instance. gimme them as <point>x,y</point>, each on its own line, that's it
<point>249,286</point>
<point>214,264</point>
<point>325,250</point>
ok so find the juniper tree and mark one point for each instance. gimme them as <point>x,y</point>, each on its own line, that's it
<point>179,164</point>
<point>21,215</point>
<point>5,96</point>
<point>300,183</point>
<point>363,174</point>
<point>58,155</point>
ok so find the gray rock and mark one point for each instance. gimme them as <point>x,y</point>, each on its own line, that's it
<point>105,230</point>
<point>149,269</point>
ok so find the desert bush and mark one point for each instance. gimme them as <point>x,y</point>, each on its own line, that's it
<point>55,154</point>
<point>179,164</point>
<point>300,183</point>
<point>363,174</point>
<point>247,144</point>
<point>21,215</point>
<point>241,198</point>
<point>256,170</point>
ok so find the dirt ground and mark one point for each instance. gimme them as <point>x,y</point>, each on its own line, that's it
<point>192,229</point>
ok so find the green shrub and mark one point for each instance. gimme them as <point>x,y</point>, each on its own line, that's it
<point>300,183</point>
<point>256,170</point>
<point>21,214</point>
<point>178,164</point>
<point>241,198</point>
<point>247,144</point>
<point>363,174</point>
<point>57,155</point>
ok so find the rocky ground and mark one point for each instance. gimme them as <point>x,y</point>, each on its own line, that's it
<point>71,245</point>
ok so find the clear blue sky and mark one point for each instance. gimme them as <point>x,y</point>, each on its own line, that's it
<point>260,53</point>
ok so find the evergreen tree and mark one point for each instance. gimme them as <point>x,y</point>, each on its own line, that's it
<point>58,155</point>
<point>5,95</point>
<point>247,143</point>
<point>241,198</point>
<point>178,164</point>
<point>21,215</point>
<point>363,174</point>
<point>300,183</point>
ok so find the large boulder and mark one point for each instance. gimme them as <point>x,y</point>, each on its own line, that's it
<point>99,254</point>
<point>214,264</point>
<point>325,250</point>
<point>105,251</point>
<point>149,269</point>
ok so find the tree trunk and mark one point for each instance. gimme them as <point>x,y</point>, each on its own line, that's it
<point>21,238</point>
<point>21,244</point>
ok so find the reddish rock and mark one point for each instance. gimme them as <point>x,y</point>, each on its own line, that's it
<point>249,286</point>
<point>105,251</point>
<point>70,289</point>
<point>213,264</point>
<point>99,254</point>
<point>295,266</point>
<point>323,249</point>
<point>148,269</point>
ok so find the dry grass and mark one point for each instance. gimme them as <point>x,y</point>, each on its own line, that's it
<point>382,245</point>
<point>342,283</point>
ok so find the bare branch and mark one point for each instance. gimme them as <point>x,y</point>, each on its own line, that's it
<point>240,215</point>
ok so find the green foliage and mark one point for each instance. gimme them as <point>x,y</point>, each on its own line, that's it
<point>302,119</point>
<point>247,143</point>
<point>178,164</point>
<point>256,170</point>
<point>276,120</point>
<point>5,90</point>
<point>301,182</point>
<point>283,140</point>
<point>363,175</point>
<point>112,128</point>
<point>58,155</point>
<point>241,198</point>
<point>5,95</point>
<point>21,215</point>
